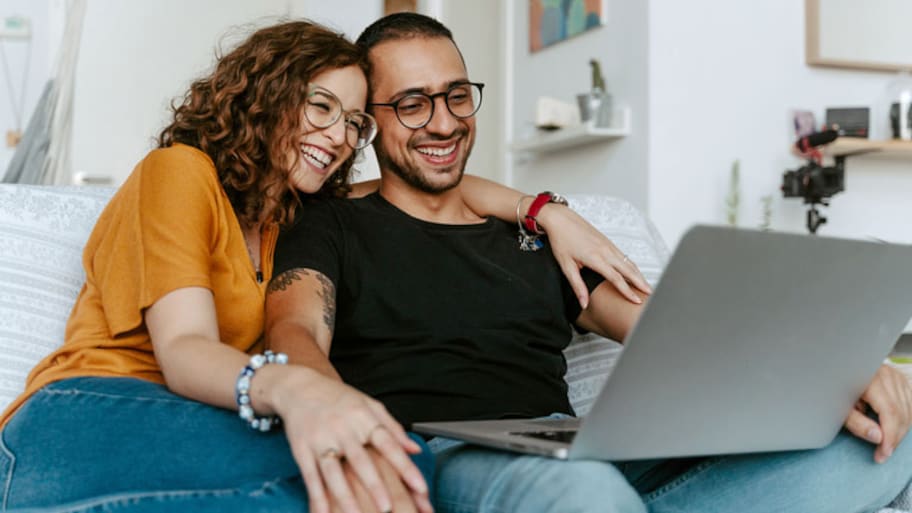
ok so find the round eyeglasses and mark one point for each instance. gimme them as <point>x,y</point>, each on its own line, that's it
<point>323,109</point>
<point>415,110</point>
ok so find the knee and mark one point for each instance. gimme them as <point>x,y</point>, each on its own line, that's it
<point>584,487</point>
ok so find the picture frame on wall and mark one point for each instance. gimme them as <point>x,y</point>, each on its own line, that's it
<point>870,35</point>
<point>553,21</point>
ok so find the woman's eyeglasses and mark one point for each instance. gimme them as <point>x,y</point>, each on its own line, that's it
<point>323,109</point>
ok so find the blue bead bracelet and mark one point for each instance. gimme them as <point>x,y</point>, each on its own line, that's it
<point>242,390</point>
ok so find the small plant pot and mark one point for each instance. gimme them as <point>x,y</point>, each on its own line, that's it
<point>595,105</point>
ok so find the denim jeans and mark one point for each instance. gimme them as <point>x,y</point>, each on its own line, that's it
<point>840,478</point>
<point>119,444</point>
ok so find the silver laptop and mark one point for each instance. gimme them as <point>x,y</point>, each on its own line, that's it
<point>752,341</point>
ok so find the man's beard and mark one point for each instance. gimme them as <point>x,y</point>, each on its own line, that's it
<point>411,173</point>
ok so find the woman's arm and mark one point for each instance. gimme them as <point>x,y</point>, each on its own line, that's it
<point>574,242</point>
<point>316,409</point>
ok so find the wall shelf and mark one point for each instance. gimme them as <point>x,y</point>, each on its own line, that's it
<point>578,135</point>
<point>887,149</point>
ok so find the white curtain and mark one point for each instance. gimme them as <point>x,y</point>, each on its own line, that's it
<point>43,154</point>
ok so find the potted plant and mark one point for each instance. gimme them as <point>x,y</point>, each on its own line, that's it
<point>595,105</point>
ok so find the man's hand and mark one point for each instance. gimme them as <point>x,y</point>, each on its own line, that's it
<point>403,499</point>
<point>890,396</point>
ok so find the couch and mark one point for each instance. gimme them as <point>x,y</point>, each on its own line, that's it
<point>43,230</point>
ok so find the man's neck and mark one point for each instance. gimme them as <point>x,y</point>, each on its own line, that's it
<point>443,208</point>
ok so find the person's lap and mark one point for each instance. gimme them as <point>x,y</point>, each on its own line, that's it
<point>841,477</point>
<point>108,440</point>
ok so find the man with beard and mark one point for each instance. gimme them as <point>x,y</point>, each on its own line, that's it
<point>440,315</point>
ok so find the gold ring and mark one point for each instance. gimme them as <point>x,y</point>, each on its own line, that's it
<point>331,452</point>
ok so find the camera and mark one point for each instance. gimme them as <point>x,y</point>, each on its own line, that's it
<point>813,182</point>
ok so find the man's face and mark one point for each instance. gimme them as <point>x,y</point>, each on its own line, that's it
<point>431,158</point>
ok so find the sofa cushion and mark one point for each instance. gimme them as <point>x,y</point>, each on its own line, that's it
<point>590,357</point>
<point>42,233</point>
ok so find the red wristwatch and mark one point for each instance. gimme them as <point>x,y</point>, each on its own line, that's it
<point>541,200</point>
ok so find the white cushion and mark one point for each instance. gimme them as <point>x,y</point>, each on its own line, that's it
<point>42,233</point>
<point>590,357</point>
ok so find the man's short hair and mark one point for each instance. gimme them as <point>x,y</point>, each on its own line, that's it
<point>401,25</point>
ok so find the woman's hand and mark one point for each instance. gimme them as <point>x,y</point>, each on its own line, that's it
<point>577,244</point>
<point>330,425</point>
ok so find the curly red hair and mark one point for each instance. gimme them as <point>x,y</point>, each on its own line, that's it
<point>246,115</point>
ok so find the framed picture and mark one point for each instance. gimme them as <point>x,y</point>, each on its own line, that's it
<point>394,6</point>
<point>868,35</point>
<point>552,21</point>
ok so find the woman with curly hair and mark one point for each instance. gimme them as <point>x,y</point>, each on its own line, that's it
<point>138,409</point>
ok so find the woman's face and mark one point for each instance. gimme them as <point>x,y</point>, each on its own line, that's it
<point>323,150</point>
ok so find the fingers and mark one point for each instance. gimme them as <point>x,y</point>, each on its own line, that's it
<point>384,442</point>
<point>363,467</point>
<point>331,468</point>
<point>889,396</point>
<point>572,272</point>
<point>894,404</point>
<point>393,427</point>
<point>404,500</point>
<point>633,274</point>
<point>609,271</point>
<point>313,481</point>
<point>863,427</point>
<point>422,502</point>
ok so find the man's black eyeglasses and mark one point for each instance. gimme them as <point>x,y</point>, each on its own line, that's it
<point>416,110</point>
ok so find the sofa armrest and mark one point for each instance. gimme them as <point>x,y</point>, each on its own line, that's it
<point>590,357</point>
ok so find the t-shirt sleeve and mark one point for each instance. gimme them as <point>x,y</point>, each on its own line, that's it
<point>313,241</point>
<point>157,237</point>
<point>572,307</point>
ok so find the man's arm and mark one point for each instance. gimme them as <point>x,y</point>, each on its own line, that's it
<point>301,315</point>
<point>609,313</point>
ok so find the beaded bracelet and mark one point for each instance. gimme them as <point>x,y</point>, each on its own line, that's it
<point>242,390</point>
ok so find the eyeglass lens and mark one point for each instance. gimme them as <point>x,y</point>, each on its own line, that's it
<point>322,109</point>
<point>415,110</point>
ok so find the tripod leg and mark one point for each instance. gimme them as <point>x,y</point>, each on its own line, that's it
<point>814,220</point>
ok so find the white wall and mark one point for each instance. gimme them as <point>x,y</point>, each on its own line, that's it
<point>33,55</point>
<point>476,27</point>
<point>138,56</point>
<point>617,167</point>
<point>723,76</point>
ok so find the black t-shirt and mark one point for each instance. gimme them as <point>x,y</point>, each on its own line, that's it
<point>438,322</point>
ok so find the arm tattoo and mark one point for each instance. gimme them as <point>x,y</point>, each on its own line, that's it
<point>327,294</point>
<point>284,280</point>
<point>329,301</point>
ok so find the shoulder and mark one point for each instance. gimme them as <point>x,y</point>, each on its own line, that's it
<point>178,155</point>
<point>179,162</point>
<point>180,170</point>
<point>322,213</point>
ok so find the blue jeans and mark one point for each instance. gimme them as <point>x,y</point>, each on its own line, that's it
<point>840,478</point>
<point>119,444</point>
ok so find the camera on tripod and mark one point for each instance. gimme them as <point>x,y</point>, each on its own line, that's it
<point>815,182</point>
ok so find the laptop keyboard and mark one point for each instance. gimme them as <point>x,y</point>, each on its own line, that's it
<point>553,435</point>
